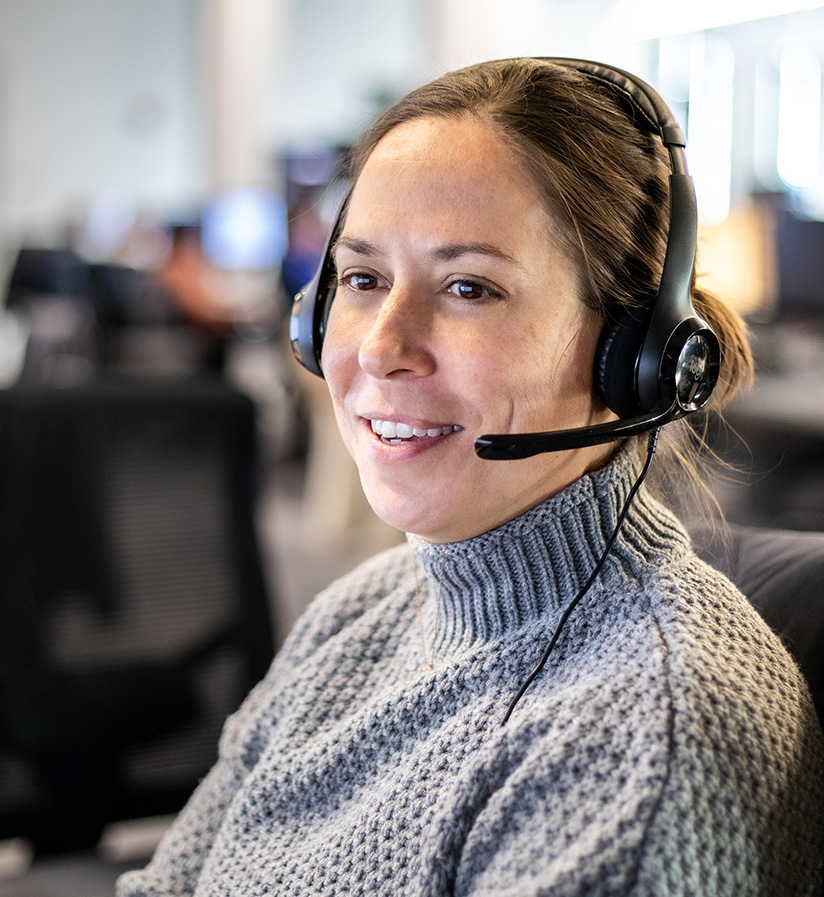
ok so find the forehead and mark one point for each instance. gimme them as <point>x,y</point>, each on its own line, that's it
<point>453,175</point>
<point>463,148</point>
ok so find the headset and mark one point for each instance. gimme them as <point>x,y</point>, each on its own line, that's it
<point>654,363</point>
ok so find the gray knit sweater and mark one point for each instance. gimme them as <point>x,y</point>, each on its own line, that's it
<point>668,748</point>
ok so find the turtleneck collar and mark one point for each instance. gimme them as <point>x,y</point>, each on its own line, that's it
<point>532,565</point>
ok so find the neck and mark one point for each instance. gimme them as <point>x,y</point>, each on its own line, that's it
<point>532,566</point>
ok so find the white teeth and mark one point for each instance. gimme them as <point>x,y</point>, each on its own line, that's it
<point>398,432</point>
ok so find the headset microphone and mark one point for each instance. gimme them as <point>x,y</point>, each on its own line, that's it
<point>524,445</point>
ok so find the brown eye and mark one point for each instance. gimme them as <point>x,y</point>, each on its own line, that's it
<point>360,282</point>
<point>469,289</point>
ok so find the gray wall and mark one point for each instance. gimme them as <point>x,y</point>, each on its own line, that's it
<point>97,96</point>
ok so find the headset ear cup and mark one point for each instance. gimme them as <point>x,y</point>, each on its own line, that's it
<point>616,360</point>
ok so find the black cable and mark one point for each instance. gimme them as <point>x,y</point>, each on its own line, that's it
<point>652,443</point>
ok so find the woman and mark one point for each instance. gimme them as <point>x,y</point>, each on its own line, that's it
<point>498,218</point>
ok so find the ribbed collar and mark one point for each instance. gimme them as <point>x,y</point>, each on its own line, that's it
<point>522,571</point>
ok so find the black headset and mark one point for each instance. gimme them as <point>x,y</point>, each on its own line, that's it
<point>654,363</point>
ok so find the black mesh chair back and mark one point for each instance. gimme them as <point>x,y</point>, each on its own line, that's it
<point>134,611</point>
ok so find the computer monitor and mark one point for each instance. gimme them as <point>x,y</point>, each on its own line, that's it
<point>799,245</point>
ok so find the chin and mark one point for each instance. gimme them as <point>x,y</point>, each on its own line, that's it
<point>410,516</point>
<point>409,523</point>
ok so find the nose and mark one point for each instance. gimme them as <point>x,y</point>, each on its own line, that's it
<point>398,339</point>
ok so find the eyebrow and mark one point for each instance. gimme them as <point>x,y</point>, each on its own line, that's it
<point>446,253</point>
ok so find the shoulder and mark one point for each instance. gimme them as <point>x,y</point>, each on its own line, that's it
<point>342,606</point>
<point>667,659</point>
<point>347,599</point>
<point>745,764</point>
<point>717,648</point>
<point>673,728</point>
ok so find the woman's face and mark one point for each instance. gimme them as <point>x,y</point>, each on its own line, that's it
<point>456,315</point>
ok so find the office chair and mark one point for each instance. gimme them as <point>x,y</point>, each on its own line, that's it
<point>134,612</point>
<point>782,574</point>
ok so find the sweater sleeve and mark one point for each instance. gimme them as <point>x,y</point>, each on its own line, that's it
<point>177,863</point>
<point>176,867</point>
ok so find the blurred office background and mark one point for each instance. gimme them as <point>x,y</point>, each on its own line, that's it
<point>172,488</point>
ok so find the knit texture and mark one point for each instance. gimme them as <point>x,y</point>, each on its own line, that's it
<point>669,747</point>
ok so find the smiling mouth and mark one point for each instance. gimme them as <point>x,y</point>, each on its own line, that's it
<point>395,433</point>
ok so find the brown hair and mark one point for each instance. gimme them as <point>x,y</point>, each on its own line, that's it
<point>601,176</point>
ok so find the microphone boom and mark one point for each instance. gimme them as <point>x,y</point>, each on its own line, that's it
<point>502,447</point>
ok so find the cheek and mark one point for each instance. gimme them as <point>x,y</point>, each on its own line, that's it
<point>556,377</point>
<point>339,354</point>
